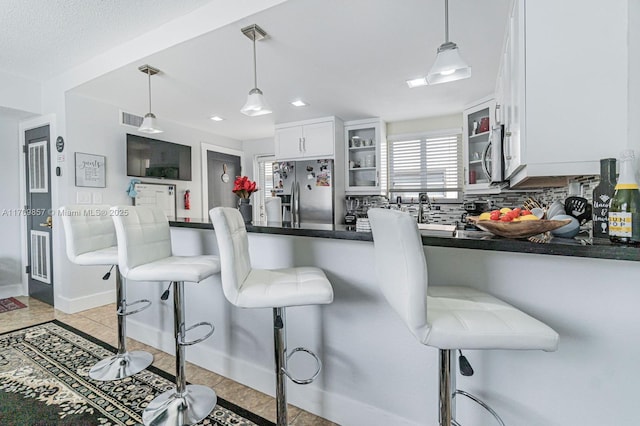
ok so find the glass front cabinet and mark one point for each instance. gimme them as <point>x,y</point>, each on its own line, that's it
<point>477,154</point>
<point>365,145</point>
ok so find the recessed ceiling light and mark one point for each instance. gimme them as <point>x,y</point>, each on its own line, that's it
<point>299,103</point>
<point>417,82</point>
<point>217,118</point>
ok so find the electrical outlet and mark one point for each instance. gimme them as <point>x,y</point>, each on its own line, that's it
<point>83,197</point>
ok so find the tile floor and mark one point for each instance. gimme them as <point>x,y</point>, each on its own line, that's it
<point>101,323</point>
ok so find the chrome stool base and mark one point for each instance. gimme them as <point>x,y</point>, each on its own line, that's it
<point>120,366</point>
<point>123,363</point>
<point>173,409</point>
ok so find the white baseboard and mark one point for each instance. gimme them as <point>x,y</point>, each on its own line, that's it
<point>71,306</point>
<point>11,290</point>
<point>334,407</point>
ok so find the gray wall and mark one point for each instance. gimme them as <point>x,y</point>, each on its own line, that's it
<point>10,243</point>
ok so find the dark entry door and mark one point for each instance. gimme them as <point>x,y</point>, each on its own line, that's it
<point>38,213</point>
<point>219,187</point>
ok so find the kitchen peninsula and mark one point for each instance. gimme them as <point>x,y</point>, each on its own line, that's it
<point>375,374</point>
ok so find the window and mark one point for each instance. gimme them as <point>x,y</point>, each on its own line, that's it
<point>429,163</point>
<point>264,166</point>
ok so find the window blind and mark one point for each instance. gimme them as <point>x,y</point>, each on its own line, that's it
<point>265,184</point>
<point>426,164</point>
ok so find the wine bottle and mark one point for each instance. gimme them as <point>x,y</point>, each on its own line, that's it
<point>602,195</point>
<point>624,211</point>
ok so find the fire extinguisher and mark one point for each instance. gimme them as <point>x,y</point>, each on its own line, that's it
<point>187,200</point>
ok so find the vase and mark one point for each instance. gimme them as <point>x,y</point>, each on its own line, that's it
<point>246,210</point>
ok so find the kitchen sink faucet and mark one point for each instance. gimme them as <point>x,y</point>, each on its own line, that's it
<point>423,199</point>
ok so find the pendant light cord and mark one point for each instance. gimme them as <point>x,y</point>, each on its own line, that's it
<point>149,76</point>
<point>255,67</point>
<point>446,21</point>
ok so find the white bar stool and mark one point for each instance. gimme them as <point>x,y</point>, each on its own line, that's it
<point>447,318</point>
<point>144,247</point>
<point>277,289</point>
<point>91,240</point>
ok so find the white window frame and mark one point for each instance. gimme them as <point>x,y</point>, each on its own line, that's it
<point>259,209</point>
<point>434,193</point>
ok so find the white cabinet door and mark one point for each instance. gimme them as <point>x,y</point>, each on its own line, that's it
<point>318,140</point>
<point>478,120</point>
<point>288,143</point>
<point>364,142</point>
<point>564,110</point>
<point>513,113</point>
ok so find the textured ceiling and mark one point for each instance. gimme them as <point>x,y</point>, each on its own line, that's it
<point>42,38</point>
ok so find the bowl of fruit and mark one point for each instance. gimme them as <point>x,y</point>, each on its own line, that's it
<point>515,223</point>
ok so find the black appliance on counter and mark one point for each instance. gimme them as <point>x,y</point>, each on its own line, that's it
<point>472,208</point>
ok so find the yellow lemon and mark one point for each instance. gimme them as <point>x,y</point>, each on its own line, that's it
<point>528,217</point>
<point>485,216</point>
<point>505,210</point>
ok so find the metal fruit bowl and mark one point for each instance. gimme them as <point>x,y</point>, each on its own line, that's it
<point>522,229</point>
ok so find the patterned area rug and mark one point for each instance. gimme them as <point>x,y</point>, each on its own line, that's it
<point>10,304</point>
<point>44,381</point>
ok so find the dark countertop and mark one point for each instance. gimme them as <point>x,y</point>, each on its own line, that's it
<point>465,239</point>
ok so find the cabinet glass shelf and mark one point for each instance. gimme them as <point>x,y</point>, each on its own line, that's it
<point>479,134</point>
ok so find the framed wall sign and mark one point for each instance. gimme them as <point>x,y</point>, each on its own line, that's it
<point>90,170</point>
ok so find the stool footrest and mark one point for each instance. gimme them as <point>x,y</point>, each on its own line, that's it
<point>313,377</point>
<point>480,403</point>
<point>205,337</point>
<point>122,311</point>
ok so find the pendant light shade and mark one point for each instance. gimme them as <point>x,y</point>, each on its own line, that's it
<point>256,104</point>
<point>149,123</point>
<point>449,65</point>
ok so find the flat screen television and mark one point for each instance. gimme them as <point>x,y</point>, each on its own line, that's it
<point>154,158</point>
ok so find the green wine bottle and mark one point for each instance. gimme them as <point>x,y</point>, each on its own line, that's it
<point>624,211</point>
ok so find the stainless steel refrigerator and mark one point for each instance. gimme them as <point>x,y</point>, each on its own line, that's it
<point>307,189</point>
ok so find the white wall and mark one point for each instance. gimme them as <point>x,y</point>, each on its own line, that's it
<point>11,242</point>
<point>255,147</point>
<point>20,93</point>
<point>93,127</point>
<point>425,124</point>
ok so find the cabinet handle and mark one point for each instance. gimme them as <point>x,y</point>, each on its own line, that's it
<point>495,113</point>
<point>508,135</point>
<point>304,144</point>
<point>300,144</point>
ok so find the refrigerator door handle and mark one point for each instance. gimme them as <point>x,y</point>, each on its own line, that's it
<point>295,204</point>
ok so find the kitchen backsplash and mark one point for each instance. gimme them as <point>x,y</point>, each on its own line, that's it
<point>452,213</point>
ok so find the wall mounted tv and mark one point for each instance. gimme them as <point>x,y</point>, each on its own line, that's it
<point>154,158</point>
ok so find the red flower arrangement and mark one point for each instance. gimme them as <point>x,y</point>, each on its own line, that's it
<point>243,187</point>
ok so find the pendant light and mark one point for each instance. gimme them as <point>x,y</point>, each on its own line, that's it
<point>256,105</point>
<point>449,66</point>
<point>149,124</point>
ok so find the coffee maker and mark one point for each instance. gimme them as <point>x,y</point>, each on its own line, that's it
<point>351,216</point>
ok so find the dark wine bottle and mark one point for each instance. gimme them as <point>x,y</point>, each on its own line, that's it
<point>602,195</point>
<point>624,211</point>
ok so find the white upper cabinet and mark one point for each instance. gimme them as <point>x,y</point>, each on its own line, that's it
<point>478,122</point>
<point>562,88</point>
<point>364,143</point>
<point>307,139</point>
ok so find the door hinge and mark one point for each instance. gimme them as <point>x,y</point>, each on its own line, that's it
<point>27,269</point>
